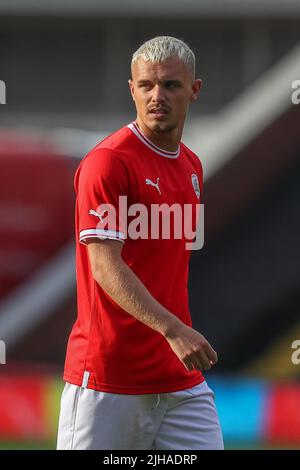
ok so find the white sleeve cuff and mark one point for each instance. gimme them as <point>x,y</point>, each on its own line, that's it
<point>102,234</point>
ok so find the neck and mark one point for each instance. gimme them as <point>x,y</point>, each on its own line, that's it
<point>165,140</point>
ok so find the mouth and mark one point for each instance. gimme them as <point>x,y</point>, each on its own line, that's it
<point>158,113</point>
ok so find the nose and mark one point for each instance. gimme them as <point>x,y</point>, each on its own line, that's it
<point>157,94</point>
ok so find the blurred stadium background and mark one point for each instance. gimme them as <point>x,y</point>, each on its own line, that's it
<point>65,66</point>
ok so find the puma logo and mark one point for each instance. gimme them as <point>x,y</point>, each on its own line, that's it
<point>92,212</point>
<point>148,181</point>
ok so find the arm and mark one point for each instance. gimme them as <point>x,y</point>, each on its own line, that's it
<point>123,286</point>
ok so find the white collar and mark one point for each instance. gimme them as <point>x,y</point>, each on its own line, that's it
<point>164,153</point>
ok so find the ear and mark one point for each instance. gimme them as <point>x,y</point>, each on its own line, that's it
<point>131,87</point>
<point>196,87</point>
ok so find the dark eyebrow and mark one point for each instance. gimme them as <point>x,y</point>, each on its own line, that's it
<point>173,82</point>
<point>143,82</point>
<point>167,81</point>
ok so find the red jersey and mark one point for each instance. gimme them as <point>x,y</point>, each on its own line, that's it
<point>109,350</point>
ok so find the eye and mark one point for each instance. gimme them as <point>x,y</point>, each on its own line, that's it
<point>172,84</point>
<point>145,86</point>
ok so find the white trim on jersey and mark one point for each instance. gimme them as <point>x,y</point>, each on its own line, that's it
<point>164,153</point>
<point>85,379</point>
<point>102,234</point>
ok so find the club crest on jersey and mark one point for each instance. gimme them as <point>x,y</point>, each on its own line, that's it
<point>195,183</point>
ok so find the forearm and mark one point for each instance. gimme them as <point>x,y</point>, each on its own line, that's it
<point>125,288</point>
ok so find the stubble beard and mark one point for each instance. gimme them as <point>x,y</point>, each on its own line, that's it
<point>160,128</point>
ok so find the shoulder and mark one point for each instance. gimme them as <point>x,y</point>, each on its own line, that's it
<point>107,161</point>
<point>193,159</point>
<point>118,143</point>
<point>113,147</point>
<point>110,154</point>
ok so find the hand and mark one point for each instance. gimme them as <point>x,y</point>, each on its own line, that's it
<point>193,350</point>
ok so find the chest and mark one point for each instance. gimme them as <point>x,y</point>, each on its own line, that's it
<point>165,181</point>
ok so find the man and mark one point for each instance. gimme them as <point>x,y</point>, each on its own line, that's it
<point>133,365</point>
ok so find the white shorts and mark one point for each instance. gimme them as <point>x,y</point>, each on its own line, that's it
<point>96,420</point>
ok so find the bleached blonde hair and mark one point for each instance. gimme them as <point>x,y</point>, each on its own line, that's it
<point>161,48</point>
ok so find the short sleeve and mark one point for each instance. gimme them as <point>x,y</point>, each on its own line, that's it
<point>101,184</point>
